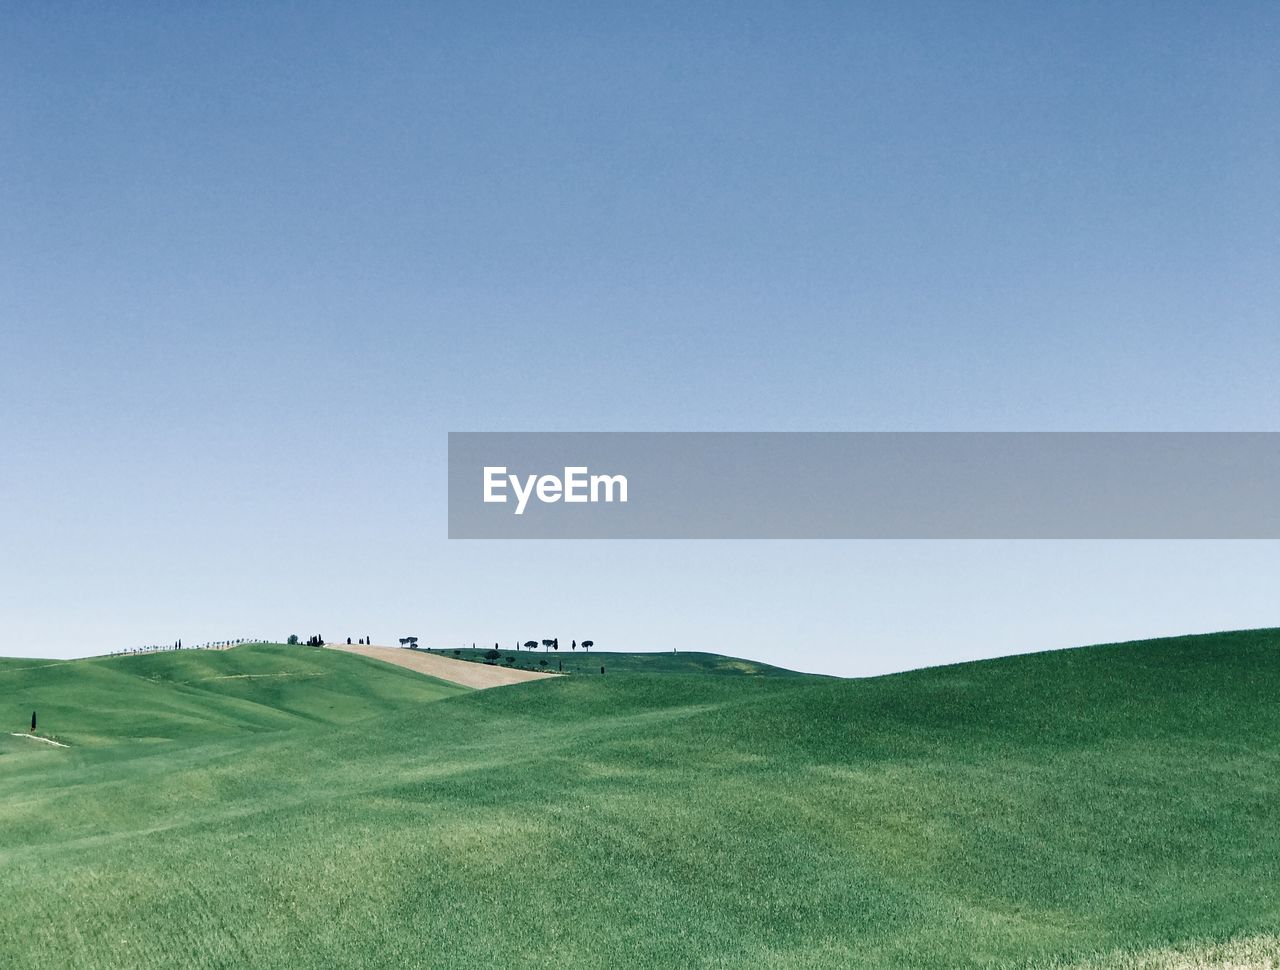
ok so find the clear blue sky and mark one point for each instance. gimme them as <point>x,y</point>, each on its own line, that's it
<point>259,258</point>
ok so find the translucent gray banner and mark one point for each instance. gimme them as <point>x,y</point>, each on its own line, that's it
<point>864,485</point>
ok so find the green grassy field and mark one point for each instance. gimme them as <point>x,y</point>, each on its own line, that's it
<point>582,662</point>
<point>276,807</point>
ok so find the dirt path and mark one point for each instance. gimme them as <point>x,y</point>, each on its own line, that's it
<point>36,737</point>
<point>464,672</point>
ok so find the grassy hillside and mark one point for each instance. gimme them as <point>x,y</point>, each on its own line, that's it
<point>198,694</point>
<point>582,662</point>
<point>1100,807</point>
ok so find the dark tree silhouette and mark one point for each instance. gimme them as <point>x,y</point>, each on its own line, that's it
<point>602,668</point>
<point>546,644</point>
<point>587,645</point>
<point>33,722</point>
<point>555,644</point>
<point>573,645</point>
<point>531,644</point>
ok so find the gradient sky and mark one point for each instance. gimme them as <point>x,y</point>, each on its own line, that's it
<point>259,258</point>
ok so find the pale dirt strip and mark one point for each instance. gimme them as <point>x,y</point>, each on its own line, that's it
<point>36,737</point>
<point>464,672</point>
<point>1250,953</point>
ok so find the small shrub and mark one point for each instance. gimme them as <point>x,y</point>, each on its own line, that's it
<point>293,639</point>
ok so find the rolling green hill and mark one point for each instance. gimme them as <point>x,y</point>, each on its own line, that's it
<point>198,694</point>
<point>582,662</point>
<point>287,807</point>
